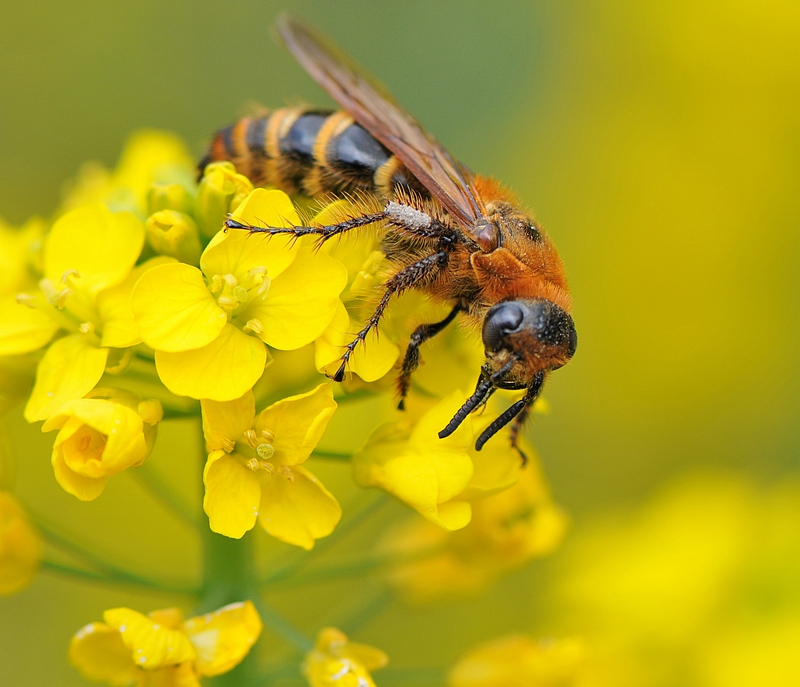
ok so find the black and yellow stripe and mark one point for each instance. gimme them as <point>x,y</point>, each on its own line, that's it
<point>312,152</point>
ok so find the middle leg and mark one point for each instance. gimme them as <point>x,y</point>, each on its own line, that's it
<point>411,360</point>
<point>415,274</point>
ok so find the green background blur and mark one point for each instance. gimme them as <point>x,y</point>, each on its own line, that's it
<point>658,143</point>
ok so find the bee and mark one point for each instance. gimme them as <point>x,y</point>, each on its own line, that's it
<point>455,235</point>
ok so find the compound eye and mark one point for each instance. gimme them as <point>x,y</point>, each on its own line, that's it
<point>502,320</point>
<point>573,342</point>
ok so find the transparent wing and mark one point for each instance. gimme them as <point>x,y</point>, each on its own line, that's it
<point>366,101</point>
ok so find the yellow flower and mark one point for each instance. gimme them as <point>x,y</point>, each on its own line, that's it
<point>365,264</point>
<point>336,662</point>
<point>254,467</point>
<point>437,477</point>
<point>163,650</point>
<point>174,233</point>
<point>20,546</point>
<point>209,326</point>
<point>519,661</point>
<point>221,190</point>
<point>89,258</point>
<point>100,436</point>
<point>507,530</point>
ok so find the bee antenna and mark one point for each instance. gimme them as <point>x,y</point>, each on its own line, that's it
<point>482,392</point>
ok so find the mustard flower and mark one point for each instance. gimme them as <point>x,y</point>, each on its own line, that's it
<point>209,326</point>
<point>20,546</point>
<point>173,233</point>
<point>337,662</point>
<point>254,467</point>
<point>520,661</point>
<point>507,530</point>
<point>221,190</point>
<point>437,477</point>
<point>365,263</point>
<point>100,436</point>
<point>163,650</point>
<point>88,261</point>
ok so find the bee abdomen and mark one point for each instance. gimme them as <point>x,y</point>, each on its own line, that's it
<point>313,152</point>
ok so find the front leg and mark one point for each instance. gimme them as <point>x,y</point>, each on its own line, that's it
<point>407,219</point>
<point>323,232</point>
<point>520,408</point>
<point>411,360</point>
<point>416,274</point>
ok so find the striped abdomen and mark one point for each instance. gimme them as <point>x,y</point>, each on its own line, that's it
<point>313,152</point>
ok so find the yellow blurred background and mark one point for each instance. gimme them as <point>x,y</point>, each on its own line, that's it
<point>659,145</point>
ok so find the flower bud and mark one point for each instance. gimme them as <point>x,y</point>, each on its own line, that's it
<point>174,233</point>
<point>20,546</point>
<point>169,197</point>
<point>221,190</point>
<point>334,659</point>
<point>98,437</point>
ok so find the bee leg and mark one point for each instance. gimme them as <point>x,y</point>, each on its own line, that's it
<point>411,360</point>
<point>324,232</point>
<point>516,427</point>
<point>409,276</point>
<point>512,412</point>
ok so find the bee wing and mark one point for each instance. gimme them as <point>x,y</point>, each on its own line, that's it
<point>366,101</point>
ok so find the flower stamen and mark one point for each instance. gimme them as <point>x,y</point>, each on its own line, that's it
<point>254,326</point>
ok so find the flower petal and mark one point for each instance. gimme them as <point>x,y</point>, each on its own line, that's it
<point>370,361</point>
<point>151,644</point>
<point>223,370</point>
<point>232,494</point>
<point>174,310</point>
<point>99,653</point>
<point>181,675</point>
<point>100,245</point>
<point>81,487</point>
<point>426,472</point>
<point>223,638</point>
<point>120,427</point>
<point>298,423</point>
<point>299,509</point>
<point>227,420</point>
<point>236,252</point>
<point>23,329</point>
<point>114,306</point>
<point>69,370</point>
<point>301,303</point>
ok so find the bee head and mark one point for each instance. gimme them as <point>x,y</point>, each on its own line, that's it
<point>540,334</point>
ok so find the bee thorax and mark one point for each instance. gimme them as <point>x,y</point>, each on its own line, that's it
<point>407,216</point>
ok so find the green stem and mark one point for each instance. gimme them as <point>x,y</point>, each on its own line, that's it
<point>68,545</point>
<point>167,494</point>
<point>144,386</point>
<point>355,565</point>
<point>113,578</point>
<point>323,545</point>
<point>280,625</point>
<point>229,575</point>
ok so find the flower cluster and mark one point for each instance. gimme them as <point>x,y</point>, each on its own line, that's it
<point>134,306</point>
<point>163,649</point>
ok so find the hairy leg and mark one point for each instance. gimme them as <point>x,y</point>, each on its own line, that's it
<point>405,218</point>
<point>413,275</point>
